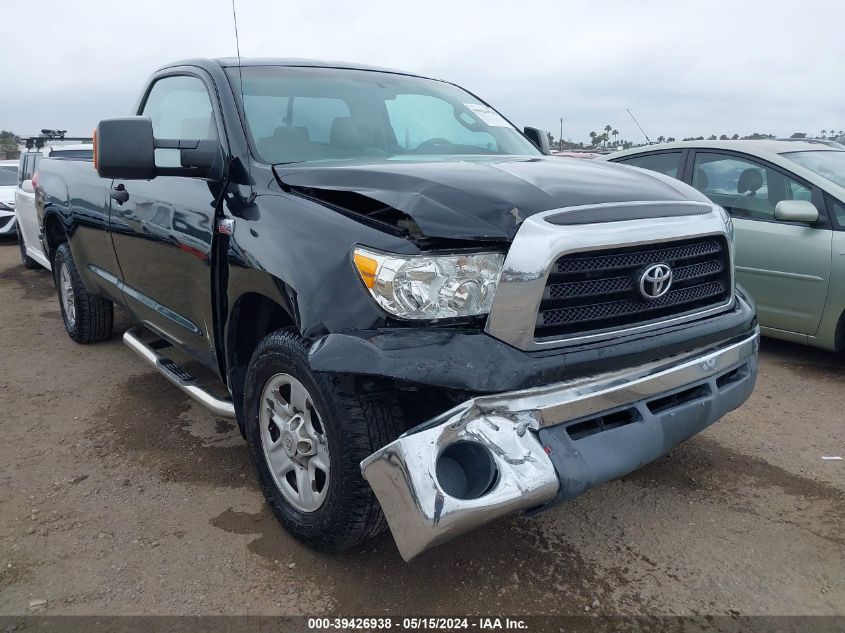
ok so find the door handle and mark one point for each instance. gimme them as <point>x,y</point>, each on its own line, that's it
<point>119,194</point>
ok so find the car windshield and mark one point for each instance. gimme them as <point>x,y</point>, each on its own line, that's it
<point>309,114</point>
<point>830,164</point>
<point>8,175</point>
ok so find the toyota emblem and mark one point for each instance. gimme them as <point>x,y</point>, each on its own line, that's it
<point>655,281</point>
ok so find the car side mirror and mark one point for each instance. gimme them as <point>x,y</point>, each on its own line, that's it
<point>26,186</point>
<point>539,137</point>
<point>796,211</point>
<point>125,149</point>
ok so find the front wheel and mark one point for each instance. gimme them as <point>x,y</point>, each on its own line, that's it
<point>307,439</point>
<point>87,319</point>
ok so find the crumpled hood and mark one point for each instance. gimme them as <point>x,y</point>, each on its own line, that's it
<point>484,198</point>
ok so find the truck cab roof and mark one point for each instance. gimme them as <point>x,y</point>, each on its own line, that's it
<point>295,62</point>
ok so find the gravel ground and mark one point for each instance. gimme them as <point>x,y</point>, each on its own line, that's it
<point>120,496</point>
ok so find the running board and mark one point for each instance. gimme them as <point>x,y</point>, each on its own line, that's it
<point>176,374</point>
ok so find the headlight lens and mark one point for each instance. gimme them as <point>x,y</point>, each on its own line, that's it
<point>430,286</point>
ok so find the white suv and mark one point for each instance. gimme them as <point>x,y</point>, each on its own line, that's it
<point>8,179</point>
<point>29,224</point>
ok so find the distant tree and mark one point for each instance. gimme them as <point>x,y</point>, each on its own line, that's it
<point>551,139</point>
<point>824,133</point>
<point>671,139</point>
<point>661,138</point>
<point>798,135</point>
<point>712,137</point>
<point>615,134</point>
<point>593,138</point>
<point>724,137</point>
<point>8,141</point>
<point>735,137</point>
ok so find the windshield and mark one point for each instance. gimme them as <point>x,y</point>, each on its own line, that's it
<point>309,114</point>
<point>8,175</point>
<point>830,164</point>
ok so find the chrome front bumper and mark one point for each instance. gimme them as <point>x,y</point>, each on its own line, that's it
<point>410,477</point>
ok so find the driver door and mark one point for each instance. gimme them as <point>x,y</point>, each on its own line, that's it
<point>784,265</point>
<point>163,228</point>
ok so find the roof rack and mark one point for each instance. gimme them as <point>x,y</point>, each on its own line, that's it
<point>53,135</point>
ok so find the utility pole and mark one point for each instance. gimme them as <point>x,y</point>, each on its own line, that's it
<point>559,140</point>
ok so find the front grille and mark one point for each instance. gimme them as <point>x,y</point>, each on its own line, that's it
<point>598,290</point>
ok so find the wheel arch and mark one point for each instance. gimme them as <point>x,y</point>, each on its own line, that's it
<point>253,316</point>
<point>55,232</point>
<point>839,338</point>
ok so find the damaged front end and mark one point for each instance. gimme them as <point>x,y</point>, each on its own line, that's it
<point>499,454</point>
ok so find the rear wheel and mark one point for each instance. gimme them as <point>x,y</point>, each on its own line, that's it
<point>307,439</point>
<point>87,319</point>
<point>27,261</point>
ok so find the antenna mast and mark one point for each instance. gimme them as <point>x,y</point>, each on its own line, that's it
<point>631,115</point>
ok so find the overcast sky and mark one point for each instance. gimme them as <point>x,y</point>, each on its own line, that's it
<point>683,68</point>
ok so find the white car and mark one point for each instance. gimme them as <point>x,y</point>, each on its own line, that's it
<point>8,180</point>
<point>30,235</point>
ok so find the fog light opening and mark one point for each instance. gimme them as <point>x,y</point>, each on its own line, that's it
<point>466,470</point>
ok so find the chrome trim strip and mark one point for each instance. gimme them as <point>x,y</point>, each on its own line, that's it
<point>218,406</point>
<point>538,244</point>
<point>403,474</point>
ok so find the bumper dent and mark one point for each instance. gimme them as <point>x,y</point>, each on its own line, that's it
<point>536,458</point>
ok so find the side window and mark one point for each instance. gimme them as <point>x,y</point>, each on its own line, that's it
<point>838,209</point>
<point>22,169</point>
<point>797,191</point>
<point>180,108</point>
<point>739,185</point>
<point>666,163</point>
<point>744,187</point>
<point>417,118</point>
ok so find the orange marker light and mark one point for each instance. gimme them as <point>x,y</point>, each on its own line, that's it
<point>367,267</point>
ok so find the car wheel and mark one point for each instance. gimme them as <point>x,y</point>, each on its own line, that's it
<point>307,439</point>
<point>87,319</point>
<point>27,261</point>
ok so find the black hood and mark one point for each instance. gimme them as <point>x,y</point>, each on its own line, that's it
<point>481,198</point>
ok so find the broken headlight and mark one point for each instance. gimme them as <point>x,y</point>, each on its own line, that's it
<point>430,286</point>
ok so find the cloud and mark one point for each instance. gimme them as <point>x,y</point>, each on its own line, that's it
<point>682,68</point>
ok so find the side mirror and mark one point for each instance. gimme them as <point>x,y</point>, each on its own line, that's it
<point>125,149</point>
<point>796,211</point>
<point>539,138</point>
<point>26,186</point>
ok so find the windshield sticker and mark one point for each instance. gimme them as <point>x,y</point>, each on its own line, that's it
<point>488,115</point>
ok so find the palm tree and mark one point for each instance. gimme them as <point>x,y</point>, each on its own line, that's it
<point>615,134</point>
<point>824,133</point>
<point>593,136</point>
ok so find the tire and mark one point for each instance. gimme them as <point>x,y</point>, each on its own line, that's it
<point>26,260</point>
<point>87,319</point>
<point>352,429</point>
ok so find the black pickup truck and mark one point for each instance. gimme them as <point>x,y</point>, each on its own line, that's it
<point>422,320</point>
